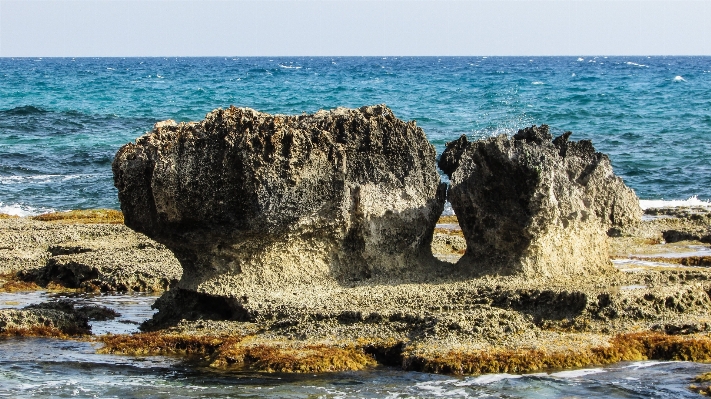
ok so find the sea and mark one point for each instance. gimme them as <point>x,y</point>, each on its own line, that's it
<point>63,119</point>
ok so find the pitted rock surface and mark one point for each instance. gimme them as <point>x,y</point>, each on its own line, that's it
<point>250,200</point>
<point>536,206</point>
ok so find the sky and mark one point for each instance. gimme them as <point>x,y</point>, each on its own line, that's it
<point>99,28</point>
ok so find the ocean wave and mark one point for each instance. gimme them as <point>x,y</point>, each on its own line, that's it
<point>488,379</point>
<point>22,210</point>
<point>691,201</point>
<point>678,79</point>
<point>44,178</point>
<point>577,373</point>
<point>24,110</point>
<point>636,64</point>
<point>289,67</point>
<point>448,210</point>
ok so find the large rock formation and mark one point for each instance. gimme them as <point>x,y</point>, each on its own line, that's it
<point>250,200</point>
<point>536,206</point>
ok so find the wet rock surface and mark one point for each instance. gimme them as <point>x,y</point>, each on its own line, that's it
<point>248,200</point>
<point>536,206</point>
<point>50,318</point>
<point>90,257</point>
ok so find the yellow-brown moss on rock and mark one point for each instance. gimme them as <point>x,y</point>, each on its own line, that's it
<point>89,216</point>
<point>11,283</point>
<point>702,384</point>
<point>260,355</point>
<point>242,352</point>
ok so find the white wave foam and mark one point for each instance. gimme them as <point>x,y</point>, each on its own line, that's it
<point>678,79</point>
<point>692,201</point>
<point>538,83</point>
<point>487,379</point>
<point>42,178</point>
<point>448,211</point>
<point>22,210</point>
<point>576,373</point>
<point>636,64</point>
<point>645,364</point>
<point>440,389</point>
<point>289,67</point>
<point>581,59</point>
<point>17,179</point>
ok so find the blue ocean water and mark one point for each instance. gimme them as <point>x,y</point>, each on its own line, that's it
<point>62,120</point>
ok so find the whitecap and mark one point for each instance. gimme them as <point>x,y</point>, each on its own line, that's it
<point>678,79</point>
<point>22,210</point>
<point>538,83</point>
<point>448,211</point>
<point>42,178</point>
<point>487,379</point>
<point>289,67</point>
<point>20,179</point>
<point>645,364</point>
<point>581,59</point>
<point>573,75</point>
<point>577,373</point>
<point>441,389</point>
<point>692,201</point>
<point>636,64</point>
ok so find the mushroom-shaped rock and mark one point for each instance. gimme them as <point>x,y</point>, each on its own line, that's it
<point>251,200</point>
<point>536,206</point>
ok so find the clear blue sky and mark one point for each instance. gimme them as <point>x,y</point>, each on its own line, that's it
<point>347,27</point>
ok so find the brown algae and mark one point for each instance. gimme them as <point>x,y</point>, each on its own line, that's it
<point>623,347</point>
<point>43,331</point>
<point>244,352</point>
<point>702,384</point>
<point>241,352</point>
<point>11,283</point>
<point>91,216</point>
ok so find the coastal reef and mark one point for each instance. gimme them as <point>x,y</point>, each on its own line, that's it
<point>59,319</point>
<point>316,243</point>
<point>251,201</point>
<point>536,206</point>
<point>82,250</point>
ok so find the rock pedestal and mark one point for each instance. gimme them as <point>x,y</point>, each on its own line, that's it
<point>250,200</point>
<point>536,206</point>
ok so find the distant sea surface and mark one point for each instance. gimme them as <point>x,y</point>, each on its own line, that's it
<point>63,119</point>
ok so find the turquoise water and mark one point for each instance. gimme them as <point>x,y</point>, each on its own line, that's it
<point>62,120</point>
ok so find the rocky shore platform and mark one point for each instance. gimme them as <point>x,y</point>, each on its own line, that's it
<point>316,243</point>
<point>653,306</point>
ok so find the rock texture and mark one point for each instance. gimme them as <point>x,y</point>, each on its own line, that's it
<point>52,318</point>
<point>536,206</point>
<point>91,257</point>
<point>246,199</point>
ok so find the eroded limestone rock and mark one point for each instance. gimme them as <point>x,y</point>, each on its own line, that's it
<point>536,206</point>
<point>246,199</point>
